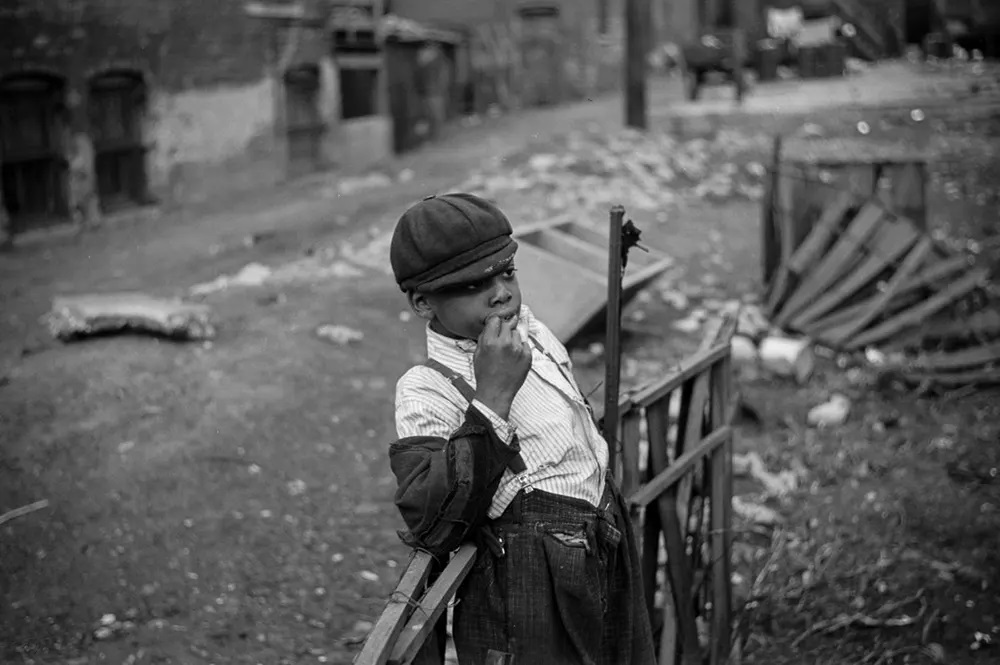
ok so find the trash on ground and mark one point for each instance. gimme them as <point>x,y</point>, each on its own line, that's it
<point>830,413</point>
<point>73,317</point>
<point>339,334</point>
<point>788,357</point>
<point>252,274</point>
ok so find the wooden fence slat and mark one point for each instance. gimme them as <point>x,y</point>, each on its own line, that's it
<point>393,619</point>
<point>693,427</point>
<point>915,314</point>
<point>836,262</point>
<point>721,512</point>
<point>784,217</point>
<point>630,434</point>
<point>839,335</point>
<point>677,611</point>
<point>433,605</point>
<point>769,248</point>
<point>890,241</point>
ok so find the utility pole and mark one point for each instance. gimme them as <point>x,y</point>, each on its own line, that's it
<point>637,18</point>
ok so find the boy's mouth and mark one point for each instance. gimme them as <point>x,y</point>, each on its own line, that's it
<point>509,316</point>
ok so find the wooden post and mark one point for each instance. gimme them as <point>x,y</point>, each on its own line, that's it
<point>637,18</point>
<point>612,337</point>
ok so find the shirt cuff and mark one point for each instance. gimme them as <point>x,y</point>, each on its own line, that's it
<point>504,430</point>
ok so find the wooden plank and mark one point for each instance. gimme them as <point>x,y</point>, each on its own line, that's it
<point>890,241</point>
<point>950,361</point>
<point>433,605</point>
<point>822,329</point>
<point>599,237</point>
<point>910,264</point>
<point>613,325</point>
<point>657,424</point>
<point>721,466</point>
<point>391,622</point>
<point>693,427</point>
<point>906,294</point>
<point>568,247</point>
<point>977,377</point>
<point>688,368</point>
<point>769,247</point>
<point>822,233</point>
<point>785,219</point>
<point>631,424</point>
<point>914,315</point>
<point>837,261</point>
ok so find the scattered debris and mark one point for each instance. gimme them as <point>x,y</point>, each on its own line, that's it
<point>880,619</point>
<point>73,317</point>
<point>754,512</point>
<point>775,484</point>
<point>830,413</point>
<point>784,356</point>
<point>252,274</point>
<point>339,334</point>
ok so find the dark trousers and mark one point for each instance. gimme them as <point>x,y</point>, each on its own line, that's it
<point>556,581</point>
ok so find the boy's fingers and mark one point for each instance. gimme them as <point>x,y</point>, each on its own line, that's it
<point>492,327</point>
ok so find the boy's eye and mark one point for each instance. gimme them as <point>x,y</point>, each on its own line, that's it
<point>509,273</point>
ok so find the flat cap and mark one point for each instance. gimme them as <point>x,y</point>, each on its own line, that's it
<point>450,240</point>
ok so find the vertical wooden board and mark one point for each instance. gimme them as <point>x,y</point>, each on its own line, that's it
<point>658,420</point>
<point>910,264</point>
<point>890,241</point>
<point>721,516</point>
<point>630,435</point>
<point>769,244</point>
<point>650,555</point>
<point>694,429</point>
<point>837,261</point>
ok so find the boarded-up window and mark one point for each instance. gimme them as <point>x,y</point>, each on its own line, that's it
<point>303,122</point>
<point>358,92</point>
<point>117,104</point>
<point>32,127</point>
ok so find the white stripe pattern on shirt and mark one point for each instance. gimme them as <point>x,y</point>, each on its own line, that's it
<point>561,446</point>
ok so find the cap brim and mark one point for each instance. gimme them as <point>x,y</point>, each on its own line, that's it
<point>477,271</point>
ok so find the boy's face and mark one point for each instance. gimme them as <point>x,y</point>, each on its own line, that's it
<point>460,312</point>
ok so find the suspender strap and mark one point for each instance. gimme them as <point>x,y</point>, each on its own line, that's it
<point>516,464</point>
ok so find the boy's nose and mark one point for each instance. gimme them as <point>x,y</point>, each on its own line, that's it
<point>501,293</point>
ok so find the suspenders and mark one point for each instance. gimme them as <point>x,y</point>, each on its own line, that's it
<point>517,464</point>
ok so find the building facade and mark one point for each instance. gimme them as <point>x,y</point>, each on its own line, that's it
<point>108,104</point>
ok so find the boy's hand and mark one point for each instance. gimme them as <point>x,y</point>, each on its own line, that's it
<point>501,363</point>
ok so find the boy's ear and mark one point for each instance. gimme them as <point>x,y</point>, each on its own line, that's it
<point>420,305</point>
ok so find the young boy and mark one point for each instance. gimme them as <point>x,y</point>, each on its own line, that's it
<point>498,446</point>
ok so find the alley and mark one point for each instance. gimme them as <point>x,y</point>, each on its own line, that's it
<point>230,501</point>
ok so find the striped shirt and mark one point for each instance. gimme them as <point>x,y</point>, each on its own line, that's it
<point>561,446</point>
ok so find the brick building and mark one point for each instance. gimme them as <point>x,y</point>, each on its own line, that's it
<point>106,104</point>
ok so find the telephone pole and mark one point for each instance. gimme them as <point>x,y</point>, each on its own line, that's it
<point>637,18</point>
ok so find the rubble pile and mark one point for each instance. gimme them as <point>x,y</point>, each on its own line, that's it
<point>590,170</point>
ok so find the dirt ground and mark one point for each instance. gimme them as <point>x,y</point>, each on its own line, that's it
<point>230,502</point>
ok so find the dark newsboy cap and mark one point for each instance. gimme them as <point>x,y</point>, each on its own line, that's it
<point>450,240</point>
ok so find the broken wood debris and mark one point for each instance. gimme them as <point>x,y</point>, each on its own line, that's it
<point>74,317</point>
<point>863,276</point>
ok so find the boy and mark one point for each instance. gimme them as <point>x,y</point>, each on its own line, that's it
<point>498,446</point>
